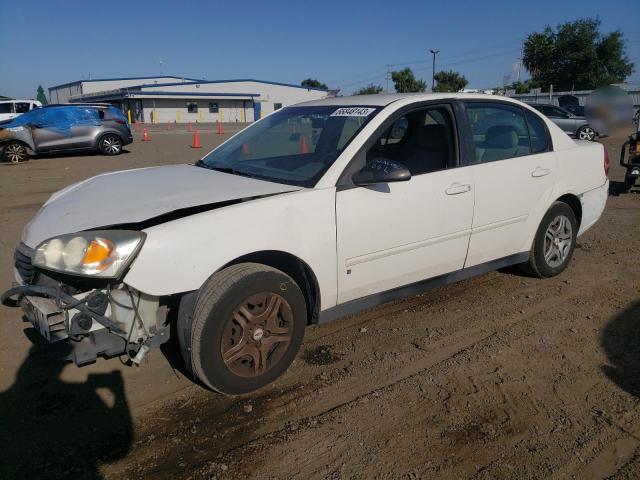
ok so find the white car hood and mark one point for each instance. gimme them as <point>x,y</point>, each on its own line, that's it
<point>133,196</point>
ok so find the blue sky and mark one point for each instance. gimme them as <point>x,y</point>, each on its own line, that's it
<point>345,44</point>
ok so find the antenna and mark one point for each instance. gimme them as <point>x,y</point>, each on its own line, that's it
<point>160,60</point>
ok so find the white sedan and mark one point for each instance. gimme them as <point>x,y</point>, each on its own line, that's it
<point>315,212</point>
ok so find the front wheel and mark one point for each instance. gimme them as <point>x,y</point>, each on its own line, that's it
<point>246,328</point>
<point>586,133</point>
<point>15,152</point>
<point>554,242</point>
<point>110,145</point>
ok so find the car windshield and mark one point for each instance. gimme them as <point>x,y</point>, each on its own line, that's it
<point>295,145</point>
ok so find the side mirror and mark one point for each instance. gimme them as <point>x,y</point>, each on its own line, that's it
<point>381,170</point>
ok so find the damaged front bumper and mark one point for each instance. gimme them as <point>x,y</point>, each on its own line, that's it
<point>102,322</point>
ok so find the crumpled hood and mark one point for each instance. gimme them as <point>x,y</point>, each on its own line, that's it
<point>133,196</point>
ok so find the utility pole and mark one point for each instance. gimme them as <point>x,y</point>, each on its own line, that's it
<point>520,62</point>
<point>433,71</point>
<point>388,77</point>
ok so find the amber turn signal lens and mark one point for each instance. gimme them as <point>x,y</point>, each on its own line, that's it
<point>98,253</point>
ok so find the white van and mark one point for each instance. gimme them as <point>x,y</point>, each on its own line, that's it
<point>12,108</point>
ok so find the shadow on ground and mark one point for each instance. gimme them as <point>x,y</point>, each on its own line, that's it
<point>621,342</point>
<point>54,429</point>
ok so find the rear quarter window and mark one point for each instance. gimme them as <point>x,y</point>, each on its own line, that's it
<point>538,133</point>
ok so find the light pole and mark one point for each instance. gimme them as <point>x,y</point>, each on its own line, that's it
<point>433,72</point>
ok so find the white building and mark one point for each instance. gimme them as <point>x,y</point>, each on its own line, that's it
<point>182,100</point>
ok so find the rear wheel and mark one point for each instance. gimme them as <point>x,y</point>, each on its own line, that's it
<point>586,133</point>
<point>246,328</point>
<point>554,242</point>
<point>15,152</point>
<point>110,145</point>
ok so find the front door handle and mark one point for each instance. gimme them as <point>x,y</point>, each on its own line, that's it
<point>540,172</point>
<point>458,188</point>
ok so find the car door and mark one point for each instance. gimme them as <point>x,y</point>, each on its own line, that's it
<point>395,234</point>
<point>514,176</point>
<point>52,129</point>
<point>85,126</point>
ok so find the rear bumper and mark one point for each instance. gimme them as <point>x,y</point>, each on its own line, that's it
<point>593,203</point>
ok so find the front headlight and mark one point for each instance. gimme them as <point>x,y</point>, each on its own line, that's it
<point>100,253</point>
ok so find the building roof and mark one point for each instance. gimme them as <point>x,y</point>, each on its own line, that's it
<point>76,82</point>
<point>190,81</point>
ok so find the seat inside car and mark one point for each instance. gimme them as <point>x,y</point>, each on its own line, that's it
<point>501,141</point>
<point>426,150</point>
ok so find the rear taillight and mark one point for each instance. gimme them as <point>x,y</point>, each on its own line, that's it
<point>120,122</point>
<point>607,162</point>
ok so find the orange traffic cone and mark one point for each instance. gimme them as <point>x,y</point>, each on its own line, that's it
<point>220,128</point>
<point>196,139</point>
<point>145,135</point>
<point>245,149</point>
<point>304,146</point>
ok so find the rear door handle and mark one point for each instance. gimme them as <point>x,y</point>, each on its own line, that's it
<point>540,172</point>
<point>458,188</point>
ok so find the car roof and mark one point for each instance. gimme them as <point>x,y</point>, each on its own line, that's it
<point>384,99</point>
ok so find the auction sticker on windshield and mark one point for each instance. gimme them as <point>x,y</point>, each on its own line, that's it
<point>352,112</point>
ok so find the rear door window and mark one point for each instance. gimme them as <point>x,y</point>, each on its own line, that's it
<point>6,108</point>
<point>499,131</point>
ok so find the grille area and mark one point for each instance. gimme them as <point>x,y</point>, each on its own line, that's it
<point>22,262</point>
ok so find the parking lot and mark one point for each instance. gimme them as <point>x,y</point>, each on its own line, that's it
<point>501,376</point>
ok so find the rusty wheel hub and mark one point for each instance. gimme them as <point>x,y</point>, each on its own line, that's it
<point>257,335</point>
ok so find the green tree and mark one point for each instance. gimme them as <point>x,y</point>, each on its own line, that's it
<point>41,97</point>
<point>369,90</point>
<point>449,81</point>
<point>576,55</point>
<point>313,83</point>
<point>405,81</point>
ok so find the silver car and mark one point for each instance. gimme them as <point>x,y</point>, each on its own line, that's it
<point>58,128</point>
<point>571,124</point>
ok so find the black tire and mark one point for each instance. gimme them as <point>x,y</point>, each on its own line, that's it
<point>541,266</point>
<point>110,144</point>
<point>586,132</point>
<point>201,334</point>
<point>15,152</point>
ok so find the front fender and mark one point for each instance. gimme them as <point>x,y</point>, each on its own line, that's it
<point>180,255</point>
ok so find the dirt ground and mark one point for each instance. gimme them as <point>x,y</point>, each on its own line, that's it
<point>498,377</point>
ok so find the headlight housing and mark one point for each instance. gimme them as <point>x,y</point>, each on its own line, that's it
<point>99,253</point>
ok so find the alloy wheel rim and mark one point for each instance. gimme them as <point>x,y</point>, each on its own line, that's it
<point>111,144</point>
<point>587,134</point>
<point>257,334</point>
<point>16,153</point>
<point>557,241</point>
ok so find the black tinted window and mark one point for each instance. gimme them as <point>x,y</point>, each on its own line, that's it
<point>5,108</point>
<point>537,132</point>
<point>22,107</point>
<point>499,131</point>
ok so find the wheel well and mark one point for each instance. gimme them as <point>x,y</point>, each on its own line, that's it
<point>296,269</point>
<point>574,202</point>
